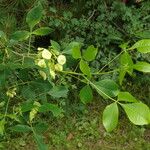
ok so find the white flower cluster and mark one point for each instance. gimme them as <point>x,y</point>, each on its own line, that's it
<point>50,59</point>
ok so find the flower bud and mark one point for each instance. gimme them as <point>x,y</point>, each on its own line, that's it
<point>58,67</point>
<point>11,93</point>
<point>43,74</point>
<point>41,63</point>
<point>61,59</point>
<point>46,54</point>
<point>40,48</point>
<point>52,73</point>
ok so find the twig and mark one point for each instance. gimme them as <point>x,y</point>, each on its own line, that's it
<point>91,15</point>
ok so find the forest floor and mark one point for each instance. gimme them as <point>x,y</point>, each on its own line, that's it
<point>86,132</point>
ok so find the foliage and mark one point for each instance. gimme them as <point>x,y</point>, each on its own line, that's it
<point>107,24</point>
<point>33,82</point>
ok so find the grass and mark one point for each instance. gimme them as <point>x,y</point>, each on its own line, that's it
<point>86,132</point>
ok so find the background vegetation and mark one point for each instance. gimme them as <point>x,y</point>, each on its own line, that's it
<point>110,26</point>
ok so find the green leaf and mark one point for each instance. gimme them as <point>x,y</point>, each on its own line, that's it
<point>41,127</point>
<point>122,73</point>
<point>28,92</point>
<point>34,16</point>
<point>110,117</point>
<point>21,128</point>
<point>76,53</point>
<point>55,45</point>
<point>144,34</point>
<point>40,142</point>
<point>142,66</point>
<point>59,91</point>
<point>2,34</point>
<point>68,50</point>
<point>42,31</point>
<point>138,113</point>
<point>106,88</point>
<point>86,94</point>
<point>51,107</point>
<point>90,53</point>
<point>2,126</point>
<point>126,66</point>
<point>142,46</point>
<point>20,35</point>
<point>126,96</point>
<point>84,67</point>
<point>26,106</point>
<point>13,116</point>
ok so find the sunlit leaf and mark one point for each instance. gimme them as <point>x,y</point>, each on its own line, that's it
<point>138,113</point>
<point>76,52</point>
<point>142,66</point>
<point>142,46</point>
<point>110,117</point>
<point>90,53</point>
<point>126,96</point>
<point>2,126</point>
<point>42,31</point>
<point>71,46</point>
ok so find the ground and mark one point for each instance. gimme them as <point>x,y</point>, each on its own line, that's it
<point>86,132</point>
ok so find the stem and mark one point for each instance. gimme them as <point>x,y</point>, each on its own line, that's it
<point>70,72</point>
<point>6,108</point>
<point>93,85</point>
<point>29,48</point>
<point>97,73</point>
<point>100,73</point>
<point>111,61</point>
